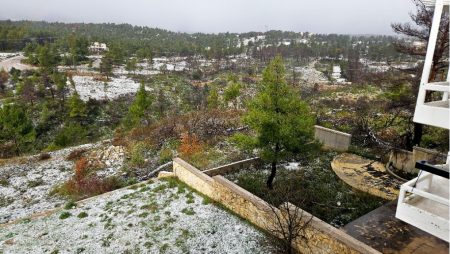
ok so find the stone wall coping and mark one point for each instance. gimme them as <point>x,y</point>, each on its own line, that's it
<point>338,234</point>
<point>333,131</point>
<point>402,150</point>
<point>194,170</point>
<point>217,170</point>
<point>430,151</point>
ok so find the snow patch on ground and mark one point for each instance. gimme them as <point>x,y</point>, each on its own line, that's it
<point>87,87</point>
<point>311,75</point>
<point>158,217</point>
<point>4,55</point>
<point>25,186</point>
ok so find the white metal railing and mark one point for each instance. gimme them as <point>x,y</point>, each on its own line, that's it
<point>424,203</point>
<point>434,113</point>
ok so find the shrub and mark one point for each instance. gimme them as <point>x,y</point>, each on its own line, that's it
<point>69,205</point>
<point>165,155</point>
<point>81,168</point>
<point>190,145</point>
<point>44,156</point>
<point>82,215</point>
<point>64,215</point>
<point>188,211</point>
<point>35,183</point>
<point>69,135</point>
<point>75,154</point>
<point>83,184</point>
<point>138,154</point>
<point>90,186</point>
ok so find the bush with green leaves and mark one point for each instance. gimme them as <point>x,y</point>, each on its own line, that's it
<point>138,154</point>
<point>16,127</point>
<point>70,134</point>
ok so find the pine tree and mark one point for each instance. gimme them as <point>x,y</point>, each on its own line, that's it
<point>213,99</point>
<point>15,126</point>
<point>4,76</point>
<point>131,65</point>
<point>283,124</point>
<point>137,110</point>
<point>77,107</point>
<point>232,92</point>
<point>106,66</point>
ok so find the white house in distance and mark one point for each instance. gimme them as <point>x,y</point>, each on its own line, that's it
<point>336,75</point>
<point>98,47</point>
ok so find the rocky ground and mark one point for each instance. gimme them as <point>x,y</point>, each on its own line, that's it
<point>156,217</point>
<point>310,75</point>
<point>26,183</point>
<point>89,88</point>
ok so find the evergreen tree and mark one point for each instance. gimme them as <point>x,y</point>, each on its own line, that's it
<point>137,110</point>
<point>106,66</point>
<point>283,124</point>
<point>27,90</point>
<point>213,99</point>
<point>4,76</point>
<point>15,126</point>
<point>77,107</point>
<point>47,56</point>
<point>232,92</point>
<point>131,65</point>
<point>60,80</point>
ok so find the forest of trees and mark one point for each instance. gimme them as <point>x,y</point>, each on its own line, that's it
<point>15,35</point>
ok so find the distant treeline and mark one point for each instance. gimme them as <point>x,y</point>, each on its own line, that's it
<point>15,35</point>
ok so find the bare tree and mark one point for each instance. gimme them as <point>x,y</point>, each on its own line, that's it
<point>289,223</point>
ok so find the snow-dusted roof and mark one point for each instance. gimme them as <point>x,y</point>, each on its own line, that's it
<point>433,2</point>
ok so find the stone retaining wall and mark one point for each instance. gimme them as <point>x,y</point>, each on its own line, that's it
<point>322,237</point>
<point>332,139</point>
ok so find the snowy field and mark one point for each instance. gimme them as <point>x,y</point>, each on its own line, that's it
<point>4,55</point>
<point>13,60</point>
<point>25,184</point>
<point>158,217</point>
<point>311,75</point>
<point>87,87</point>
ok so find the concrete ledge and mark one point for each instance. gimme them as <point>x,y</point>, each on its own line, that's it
<point>332,139</point>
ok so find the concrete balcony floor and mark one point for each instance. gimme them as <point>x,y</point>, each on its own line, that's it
<point>387,234</point>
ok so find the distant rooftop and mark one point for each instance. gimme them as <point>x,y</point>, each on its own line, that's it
<point>433,2</point>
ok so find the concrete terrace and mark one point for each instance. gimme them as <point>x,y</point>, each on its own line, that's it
<point>385,233</point>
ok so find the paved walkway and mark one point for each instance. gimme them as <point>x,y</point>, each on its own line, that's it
<point>366,175</point>
<point>383,232</point>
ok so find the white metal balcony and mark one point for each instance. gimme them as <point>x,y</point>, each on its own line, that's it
<point>434,113</point>
<point>424,203</point>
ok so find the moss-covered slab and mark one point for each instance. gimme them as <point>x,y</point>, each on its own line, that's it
<point>366,175</point>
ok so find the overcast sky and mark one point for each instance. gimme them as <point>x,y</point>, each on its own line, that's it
<point>317,16</point>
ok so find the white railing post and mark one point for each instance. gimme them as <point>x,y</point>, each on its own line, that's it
<point>430,50</point>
